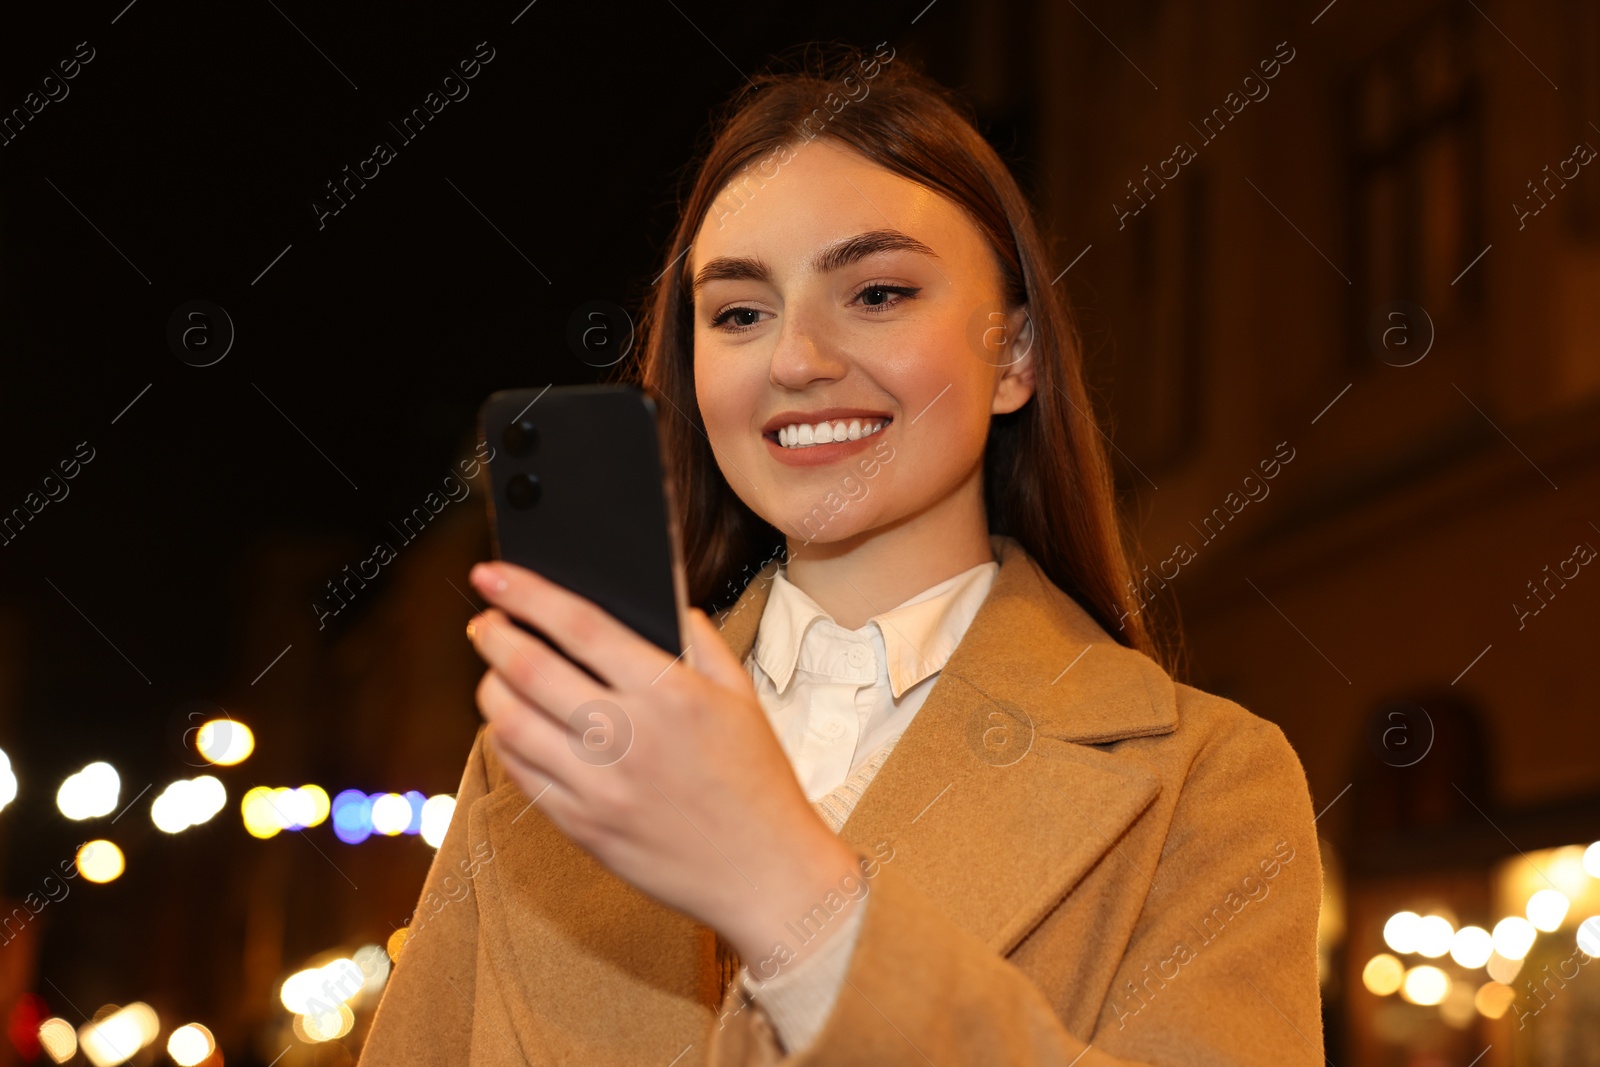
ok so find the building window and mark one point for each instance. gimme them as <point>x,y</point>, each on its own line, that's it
<point>1413,131</point>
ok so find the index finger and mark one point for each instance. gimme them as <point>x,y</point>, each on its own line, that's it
<point>580,628</point>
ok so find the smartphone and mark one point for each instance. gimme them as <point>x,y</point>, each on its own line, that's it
<point>579,494</point>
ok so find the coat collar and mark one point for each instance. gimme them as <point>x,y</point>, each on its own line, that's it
<point>995,772</point>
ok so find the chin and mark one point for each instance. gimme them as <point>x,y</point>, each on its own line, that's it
<point>817,517</point>
<point>820,525</point>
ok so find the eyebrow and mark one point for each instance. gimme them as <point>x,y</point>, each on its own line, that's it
<point>834,256</point>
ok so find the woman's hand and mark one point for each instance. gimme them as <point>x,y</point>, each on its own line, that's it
<point>668,774</point>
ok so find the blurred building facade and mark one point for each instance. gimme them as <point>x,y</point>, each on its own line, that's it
<point>1369,239</point>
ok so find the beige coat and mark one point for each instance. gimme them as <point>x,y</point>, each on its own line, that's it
<point>1067,848</point>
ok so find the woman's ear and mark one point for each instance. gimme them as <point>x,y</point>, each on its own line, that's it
<point>1016,382</point>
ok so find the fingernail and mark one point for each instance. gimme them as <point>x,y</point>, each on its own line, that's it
<point>472,628</point>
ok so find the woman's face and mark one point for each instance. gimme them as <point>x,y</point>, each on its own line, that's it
<point>838,293</point>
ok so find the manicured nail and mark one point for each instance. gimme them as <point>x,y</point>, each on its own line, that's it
<point>472,628</point>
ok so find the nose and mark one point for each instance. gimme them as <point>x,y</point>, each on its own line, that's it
<point>803,355</point>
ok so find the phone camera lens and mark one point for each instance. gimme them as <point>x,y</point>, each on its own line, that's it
<point>521,437</point>
<point>523,490</point>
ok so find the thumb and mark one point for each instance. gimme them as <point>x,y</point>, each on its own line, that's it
<point>710,655</point>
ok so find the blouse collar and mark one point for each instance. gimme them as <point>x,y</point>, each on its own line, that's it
<point>918,635</point>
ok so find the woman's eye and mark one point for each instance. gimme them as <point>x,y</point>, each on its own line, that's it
<point>736,319</point>
<point>883,297</point>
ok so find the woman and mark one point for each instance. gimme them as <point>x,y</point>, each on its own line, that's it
<point>926,795</point>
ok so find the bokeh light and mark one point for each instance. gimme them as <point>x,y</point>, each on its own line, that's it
<point>342,979</point>
<point>299,988</point>
<point>356,816</point>
<point>299,808</point>
<point>1400,932</point>
<point>1502,969</point>
<point>260,816</point>
<point>120,1035</point>
<point>269,811</point>
<point>1564,871</point>
<point>190,1044</point>
<point>8,781</point>
<point>90,793</point>
<point>1589,936</point>
<point>391,814</point>
<point>352,816</point>
<point>1513,937</point>
<point>324,1026</point>
<point>1383,974</point>
<point>187,803</point>
<point>1434,936</point>
<point>436,814</point>
<point>313,805</point>
<point>1471,947</point>
<point>1425,985</point>
<point>58,1039</point>
<point>374,964</point>
<point>1547,908</point>
<point>100,861</point>
<point>225,742</point>
<point>1591,860</point>
<point>397,943</point>
<point>316,990</point>
<point>1493,999</point>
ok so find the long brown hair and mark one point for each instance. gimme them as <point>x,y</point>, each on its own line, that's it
<point>1047,480</point>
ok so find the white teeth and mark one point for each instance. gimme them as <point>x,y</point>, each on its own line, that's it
<point>802,435</point>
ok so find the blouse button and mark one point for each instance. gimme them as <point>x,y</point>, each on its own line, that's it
<point>857,655</point>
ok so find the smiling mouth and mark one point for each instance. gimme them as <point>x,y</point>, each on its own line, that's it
<point>809,435</point>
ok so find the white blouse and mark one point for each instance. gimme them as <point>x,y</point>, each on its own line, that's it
<point>836,696</point>
<point>838,701</point>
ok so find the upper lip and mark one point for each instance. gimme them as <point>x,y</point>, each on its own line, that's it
<point>811,418</point>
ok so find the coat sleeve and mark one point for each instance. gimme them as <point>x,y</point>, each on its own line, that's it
<point>920,990</point>
<point>426,1014</point>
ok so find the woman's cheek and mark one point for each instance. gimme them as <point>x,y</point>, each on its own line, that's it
<point>728,408</point>
<point>709,389</point>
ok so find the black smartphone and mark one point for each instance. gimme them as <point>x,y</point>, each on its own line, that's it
<point>579,494</point>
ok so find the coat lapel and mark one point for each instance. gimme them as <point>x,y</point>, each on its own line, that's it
<point>994,801</point>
